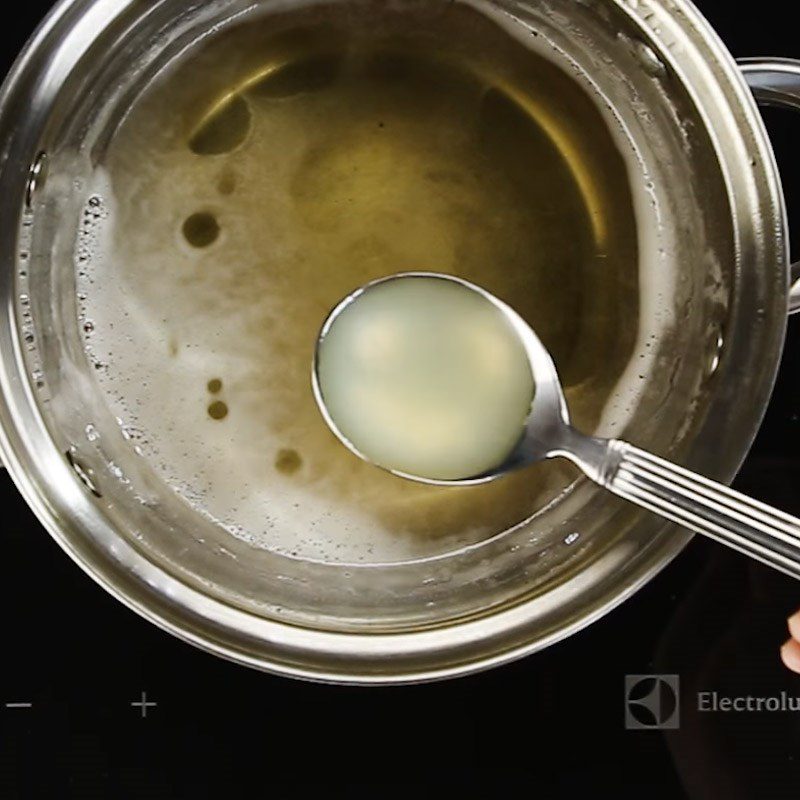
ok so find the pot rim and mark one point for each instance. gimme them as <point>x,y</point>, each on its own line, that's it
<point>50,487</point>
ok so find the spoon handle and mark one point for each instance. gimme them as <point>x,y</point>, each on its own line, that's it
<point>704,506</point>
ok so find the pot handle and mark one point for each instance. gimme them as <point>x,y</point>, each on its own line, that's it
<point>776,82</point>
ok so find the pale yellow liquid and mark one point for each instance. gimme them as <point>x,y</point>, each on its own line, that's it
<point>426,377</point>
<point>278,167</point>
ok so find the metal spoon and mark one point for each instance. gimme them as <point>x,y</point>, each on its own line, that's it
<point>675,493</point>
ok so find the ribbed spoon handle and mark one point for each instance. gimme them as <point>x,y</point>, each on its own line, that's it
<point>704,506</point>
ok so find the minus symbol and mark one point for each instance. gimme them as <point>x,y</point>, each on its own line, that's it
<point>19,705</point>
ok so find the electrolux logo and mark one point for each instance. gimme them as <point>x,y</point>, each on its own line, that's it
<point>714,701</point>
<point>652,702</point>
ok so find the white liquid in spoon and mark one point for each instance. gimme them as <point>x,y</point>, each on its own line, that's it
<point>426,377</point>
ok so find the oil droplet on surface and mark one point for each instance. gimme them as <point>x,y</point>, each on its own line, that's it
<point>218,410</point>
<point>288,461</point>
<point>201,229</point>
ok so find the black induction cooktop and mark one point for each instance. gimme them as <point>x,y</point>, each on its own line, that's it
<point>96,702</point>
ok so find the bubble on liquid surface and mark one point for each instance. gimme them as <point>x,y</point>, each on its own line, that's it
<point>201,229</point>
<point>218,410</point>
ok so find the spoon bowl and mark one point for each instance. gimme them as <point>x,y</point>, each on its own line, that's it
<point>702,505</point>
<point>547,421</point>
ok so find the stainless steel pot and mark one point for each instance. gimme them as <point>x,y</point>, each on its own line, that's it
<point>682,100</point>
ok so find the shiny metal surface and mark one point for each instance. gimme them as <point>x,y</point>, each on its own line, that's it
<point>776,82</point>
<point>485,605</point>
<point>753,528</point>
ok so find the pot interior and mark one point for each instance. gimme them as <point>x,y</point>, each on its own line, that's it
<point>221,174</point>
